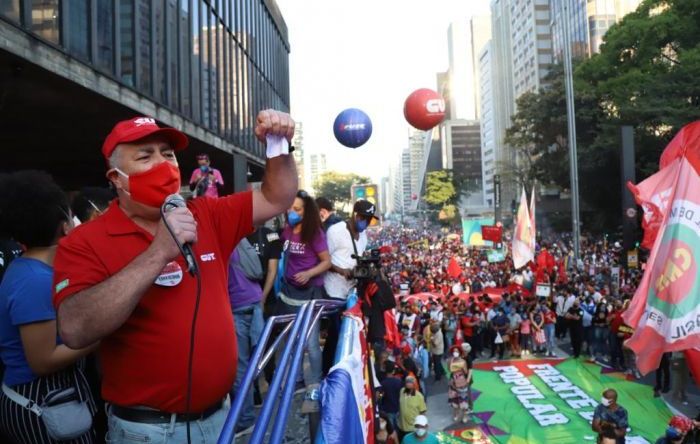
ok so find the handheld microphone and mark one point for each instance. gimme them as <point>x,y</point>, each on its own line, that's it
<point>176,201</point>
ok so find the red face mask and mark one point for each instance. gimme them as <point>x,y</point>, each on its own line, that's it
<point>152,186</point>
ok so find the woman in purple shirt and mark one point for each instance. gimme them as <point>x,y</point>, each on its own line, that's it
<point>306,259</point>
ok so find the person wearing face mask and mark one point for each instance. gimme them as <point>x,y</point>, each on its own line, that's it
<point>459,385</point>
<point>575,319</point>
<point>678,427</point>
<point>420,433</point>
<point>205,180</point>
<point>411,405</point>
<point>121,279</point>
<point>385,433</point>
<point>35,212</point>
<point>610,414</point>
<point>307,260</point>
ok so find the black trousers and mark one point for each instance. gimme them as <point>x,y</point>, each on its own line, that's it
<point>560,327</point>
<point>437,364</point>
<point>663,374</point>
<point>576,341</point>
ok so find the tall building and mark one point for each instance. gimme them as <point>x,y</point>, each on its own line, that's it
<point>203,67</point>
<point>488,137</point>
<point>461,152</point>
<point>417,161</point>
<point>588,21</point>
<point>406,192</point>
<point>531,43</point>
<point>464,41</point>
<point>317,166</point>
<point>386,204</point>
<point>298,144</point>
<point>503,99</point>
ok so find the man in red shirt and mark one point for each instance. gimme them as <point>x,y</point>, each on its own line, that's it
<point>121,280</point>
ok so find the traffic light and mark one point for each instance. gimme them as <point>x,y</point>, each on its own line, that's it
<point>368,192</point>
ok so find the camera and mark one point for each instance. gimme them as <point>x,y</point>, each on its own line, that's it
<point>367,267</point>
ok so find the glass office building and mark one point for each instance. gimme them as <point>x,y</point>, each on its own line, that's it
<point>212,64</point>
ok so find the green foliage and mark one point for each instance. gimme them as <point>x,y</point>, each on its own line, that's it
<point>439,188</point>
<point>337,186</point>
<point>645,76</point>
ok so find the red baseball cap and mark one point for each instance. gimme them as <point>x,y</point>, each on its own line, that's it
<point>138,128</point>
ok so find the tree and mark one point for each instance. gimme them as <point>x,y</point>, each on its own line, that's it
<point>337,186</point>
<point>645,76</point>
<point>439,189</point>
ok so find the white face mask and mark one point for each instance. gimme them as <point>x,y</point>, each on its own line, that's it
<point>605,401</point>
<point>421,432</point>
<point>455,354</point>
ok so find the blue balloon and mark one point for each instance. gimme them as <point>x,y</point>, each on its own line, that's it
<point>352,127</point>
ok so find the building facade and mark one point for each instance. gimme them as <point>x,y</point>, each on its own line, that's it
<point>298,144</point>
<point>531,43</point>
<point>317,167</point>
<point>588,21</point>
<point>488,137</point>
<point>205,67</point>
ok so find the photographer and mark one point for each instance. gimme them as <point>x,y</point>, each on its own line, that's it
<point>345,241</point>
<point>205,180</point>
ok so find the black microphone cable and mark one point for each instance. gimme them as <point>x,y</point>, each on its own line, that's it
<point>190,358</point>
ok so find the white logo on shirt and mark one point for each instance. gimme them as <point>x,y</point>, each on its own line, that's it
<point>208,257</point>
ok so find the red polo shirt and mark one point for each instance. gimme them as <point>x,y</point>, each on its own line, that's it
<point>145,361</point>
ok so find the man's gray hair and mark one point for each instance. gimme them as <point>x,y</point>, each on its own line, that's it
<point>114,158</point>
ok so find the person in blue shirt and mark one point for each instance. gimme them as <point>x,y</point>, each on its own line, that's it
<point>610,414</point>
<point>422,357</point>
<point>391,392</point>
<point>420,435</point>
<point>35,212</point>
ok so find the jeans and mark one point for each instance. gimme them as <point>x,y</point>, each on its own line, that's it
<point>313,346</point>
<point>249,326</point>
<point>600,343</point>
<point>206,431</point>
<point>437,365</point>
<point>549,334</point>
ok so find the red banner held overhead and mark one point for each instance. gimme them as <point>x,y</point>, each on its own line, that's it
<point>492,233</point>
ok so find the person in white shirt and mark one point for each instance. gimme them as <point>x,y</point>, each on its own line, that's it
<point>560,328</point>
<point>340,238</point>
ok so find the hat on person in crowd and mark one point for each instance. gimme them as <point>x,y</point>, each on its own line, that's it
<point>406,349</point>
<point>421,421</point>
<point>365,208</point>
<point>139,128</point>
<point>410,378</point>
<point>466,347</point>
<point>681,424</point>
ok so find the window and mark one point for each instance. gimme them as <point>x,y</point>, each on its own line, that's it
<point>159,46</point>
<point>45,19</point>
<point>105,35</point>
<point>172,38</point>
<point>195,87</point>
<point>126,39</point>
<point>76,35</point>
<point>185,57</point>
<point>10,9</point>
<point>143,45</point>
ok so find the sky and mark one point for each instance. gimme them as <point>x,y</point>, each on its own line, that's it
<point>367,54</point>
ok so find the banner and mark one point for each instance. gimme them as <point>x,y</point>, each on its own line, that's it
<point>471,232</point>
<point>552,401</point>
<point>492,233</point>
<point>665,310</point>
<point>495,256</point>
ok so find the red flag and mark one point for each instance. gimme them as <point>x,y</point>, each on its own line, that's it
<point>692,357</point>
<point>653,195</point>
<point>666,305</point>
<point>545,261</point>
<point>684,144</point>
<point>453,269</point>
<point>562,276</point>
<point>392,337</point>
<point>492,233</point>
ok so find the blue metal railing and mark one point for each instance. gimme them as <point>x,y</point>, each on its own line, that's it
<point>301,326</point>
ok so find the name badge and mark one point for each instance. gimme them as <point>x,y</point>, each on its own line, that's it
<point>170,276</point>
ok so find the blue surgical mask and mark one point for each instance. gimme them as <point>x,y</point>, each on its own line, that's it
<point>203,168</point>
<point>293,217</point>
<point>361,225</point>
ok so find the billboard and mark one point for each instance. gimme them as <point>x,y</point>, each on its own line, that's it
<point>471,232</point>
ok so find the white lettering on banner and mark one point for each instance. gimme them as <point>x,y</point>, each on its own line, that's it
<point>572,394</point>
<point>545,414</point>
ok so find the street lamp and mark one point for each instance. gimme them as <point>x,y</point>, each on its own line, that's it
<point>571,120</point>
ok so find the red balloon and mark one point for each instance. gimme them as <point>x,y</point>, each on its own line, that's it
<point>424,109</point>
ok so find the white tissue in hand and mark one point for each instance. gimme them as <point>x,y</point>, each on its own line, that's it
<point>276,146</point>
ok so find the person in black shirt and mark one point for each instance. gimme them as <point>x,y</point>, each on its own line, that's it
<point>574,318</point>
<point>268,245</point>
<point>327,212</point>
